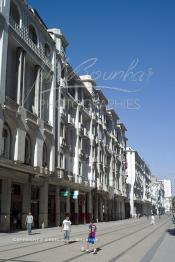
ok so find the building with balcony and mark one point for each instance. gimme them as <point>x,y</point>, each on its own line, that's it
<point>157,196</point>
<point>138,184</point>
<point>57,136</point>
<point>167,185</point>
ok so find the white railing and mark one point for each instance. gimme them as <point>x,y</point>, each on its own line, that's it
<point>24,34</point>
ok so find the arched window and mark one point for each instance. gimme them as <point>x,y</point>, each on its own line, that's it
<point>14,13</point>
<point>27,159</point>
<point>33,34</point>
<point>47,50</point>
<point>6,142</point>
<point>45,163</point>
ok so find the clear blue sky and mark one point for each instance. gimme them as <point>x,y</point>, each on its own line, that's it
<point>116,32</point>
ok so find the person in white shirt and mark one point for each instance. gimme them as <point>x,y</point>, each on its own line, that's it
<point>66,226</point>
<point>152,219</point>
<point>29,222</point>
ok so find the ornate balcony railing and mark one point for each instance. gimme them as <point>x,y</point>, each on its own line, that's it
<point>24,34</point>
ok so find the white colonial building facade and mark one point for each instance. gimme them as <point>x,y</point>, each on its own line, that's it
<point>167,185</point>
<point>138,180</point>
<point>61,150</point>
<point>157,196</point>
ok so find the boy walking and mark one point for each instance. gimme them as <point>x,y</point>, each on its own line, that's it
<point>29,222</point>
<point>91,239</point>
<point>152,219</point>
<point>66,226</point>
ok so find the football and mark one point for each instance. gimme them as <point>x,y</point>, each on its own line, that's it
<point>82,249</point>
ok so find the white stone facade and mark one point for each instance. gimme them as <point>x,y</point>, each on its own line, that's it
<point>56,133</point>
<point>157,196</point>
<point>168,195</point>
<point>138,180</point>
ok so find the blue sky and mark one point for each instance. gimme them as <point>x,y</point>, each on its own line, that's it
<point>116,34</point>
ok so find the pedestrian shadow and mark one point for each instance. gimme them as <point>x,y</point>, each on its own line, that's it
<point>97,250</point>
<point>35,233</point>
<point>171,231</point>
<point>73,241</point>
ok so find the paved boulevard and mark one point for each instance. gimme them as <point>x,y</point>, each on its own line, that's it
<point>128,241</point>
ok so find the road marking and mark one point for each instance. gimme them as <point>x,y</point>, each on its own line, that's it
<point>114,259</point>
<point>150,254</point>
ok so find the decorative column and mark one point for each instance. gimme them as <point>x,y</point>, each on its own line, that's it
<point>96,207</point>
<point>20,75</point>
<point>5,205</point>
<point>26,204</point>
<point>84,210</point>
<point>109,209</point>
<point>40,113</point>
<point>5,11</point>
<point>113,209</point>
<point>58,218</point>
<point>68,202</point>
<point>37,90</point>
<point>106,209</point>
<point>118,209</point>
<point>38,152</point>
<point>23,79</point>
<point>101,209</point>
<point>43,212</point>
<point>89,207</point>
<point>76,157</point>
<point>19,151</point>
<point>76,214</point>
<point>123,213</point>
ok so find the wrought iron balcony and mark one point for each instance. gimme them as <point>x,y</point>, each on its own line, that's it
<point>24,34</point>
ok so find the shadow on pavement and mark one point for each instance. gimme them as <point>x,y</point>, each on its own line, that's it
<point>171,231</point>
<point>71,242</point>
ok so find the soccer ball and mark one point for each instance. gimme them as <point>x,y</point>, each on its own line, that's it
<point>82,249</point>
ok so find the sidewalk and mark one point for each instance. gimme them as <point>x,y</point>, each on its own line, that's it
<point>164,248</point>
<point>55,232</point>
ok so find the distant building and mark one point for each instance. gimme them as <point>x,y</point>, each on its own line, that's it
<point>138,181</point>
<point>157,196</point>
<point>168,194</point>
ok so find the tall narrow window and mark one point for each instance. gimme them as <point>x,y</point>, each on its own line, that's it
<point>27,159</point>
<point>62,130</point>
<point>61,161</point>
<point>80,118</point>
<point>14,13</point>
<point>47,50</point>
<point>6,142</point>
<point>33,34</point>
<point>79,168</point>
<point>45,163</point>
<point>79,95</point>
